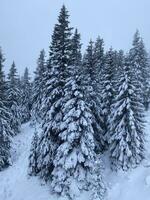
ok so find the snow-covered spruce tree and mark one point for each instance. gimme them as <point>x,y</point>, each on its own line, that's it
<point>5,130</point>
<point>126,137</point>
<point>99,61</point>
<point>13,99</point>
<point>47,142</point>
<point>75,56</point>
<point>54,79</point>
<point>146,74</point>
<point>108,91</point>
<point>119,59</point>
<point>76,167</point>
<point>139,60</point>
<point>33,158</point>
<point>38,87</point>
<point>26,95</point>
<point>91,72</point>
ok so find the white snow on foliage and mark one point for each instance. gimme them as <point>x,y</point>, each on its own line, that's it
<point>15,184</point>
<point>133,184</point>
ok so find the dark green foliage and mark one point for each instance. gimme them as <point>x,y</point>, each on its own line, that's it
<point>5,130</point>
<point>39,87</point>
<point>26,89</point>
<point>91,83</point>
<point>33,165</point>
<point>14,99</point>
<point>140,65</point>
<point>60,50</point>
<point>75,159</point>
<point>108,92</point>
<point>126,123</point>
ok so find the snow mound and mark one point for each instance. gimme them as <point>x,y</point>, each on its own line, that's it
<point>147,180</point>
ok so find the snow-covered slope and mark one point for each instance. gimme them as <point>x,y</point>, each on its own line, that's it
<point>14,182</point>
<point>16,185</point>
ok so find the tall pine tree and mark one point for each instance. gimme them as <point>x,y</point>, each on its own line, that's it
<point>26,104</point>
<point>91,72</point>
<point>38,87</point>
<point>108,91</point>
<point>75,162</point>
<point>5,129</point>
<point>54,79</point>
<point>66,146</point>
<point>14,98</point>
<point>127,126</point>
<point>140,64</point>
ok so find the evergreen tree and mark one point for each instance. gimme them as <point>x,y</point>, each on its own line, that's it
<point>145,74</point>
<point>5,130</point>
<point>2,77</point>
<point>54,79</point>
<point>126,126</point>
<point>108,91</point>
<point>13,99</point>
<point>66,144</point>
<point>139,61</point>
<point>38,87</point>
<point>99,61</point>
<point>91,68</point>
<point>75,55</point>
<point>75,165</point>
<point>26,97</point>
<point>119,60</point>
<point>33,158</point>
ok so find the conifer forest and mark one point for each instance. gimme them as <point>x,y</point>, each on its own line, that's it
<point>79,127</point>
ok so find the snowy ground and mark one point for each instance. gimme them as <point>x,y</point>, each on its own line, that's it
<point>16,185</point>
<point>14,182</point>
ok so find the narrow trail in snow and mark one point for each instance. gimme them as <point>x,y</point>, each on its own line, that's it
<point>14,181</point>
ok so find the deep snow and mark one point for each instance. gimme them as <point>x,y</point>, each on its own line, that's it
<point>16,185</point>
<point>14,182</point>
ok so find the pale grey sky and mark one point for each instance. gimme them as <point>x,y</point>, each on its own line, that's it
<point>26,25</point>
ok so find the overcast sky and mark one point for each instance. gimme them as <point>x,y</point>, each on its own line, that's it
<point>26,25</point>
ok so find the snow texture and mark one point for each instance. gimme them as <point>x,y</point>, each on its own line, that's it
<point>14,182</point>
